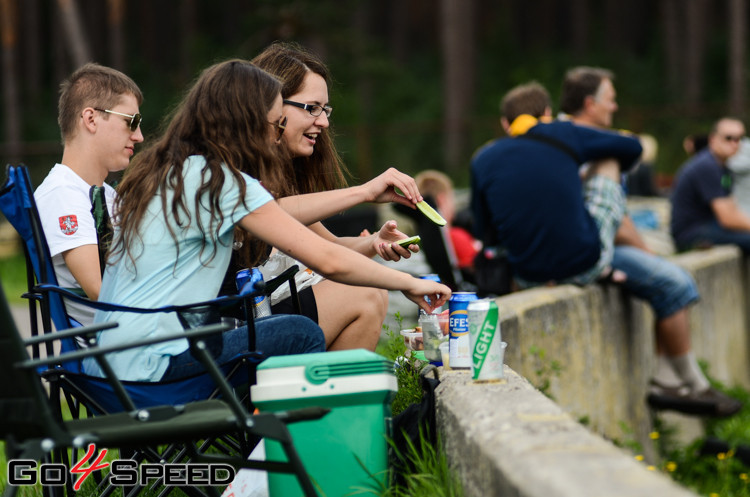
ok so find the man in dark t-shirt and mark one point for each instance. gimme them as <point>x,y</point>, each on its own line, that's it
<point>703,210</point>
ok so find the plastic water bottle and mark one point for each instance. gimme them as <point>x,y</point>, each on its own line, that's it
<point>261,303</point>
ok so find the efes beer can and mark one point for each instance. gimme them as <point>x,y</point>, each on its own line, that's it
<point>485,341</point>
<point>458,325</point>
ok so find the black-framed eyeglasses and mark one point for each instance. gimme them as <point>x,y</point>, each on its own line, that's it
<point>733,138</point>
<point>135,119</point>
<point>314,109</point>
<point>280,126</point>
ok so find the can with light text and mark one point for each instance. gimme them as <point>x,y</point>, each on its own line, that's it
<point>485,341</point>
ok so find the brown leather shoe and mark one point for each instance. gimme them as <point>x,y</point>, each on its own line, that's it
<point>709,402</point>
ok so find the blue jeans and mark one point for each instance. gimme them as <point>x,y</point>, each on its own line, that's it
<point>666,286</point>
<point>713,234</point>
<point>282,334</point>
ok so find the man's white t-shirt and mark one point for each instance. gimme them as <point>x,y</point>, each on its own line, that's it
<point>65,211</point>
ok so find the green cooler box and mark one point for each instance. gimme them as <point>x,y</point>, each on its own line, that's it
<point>358,386</point>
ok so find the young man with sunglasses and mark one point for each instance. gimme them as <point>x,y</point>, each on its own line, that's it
<point>99,119</point>
<point>704,213</point>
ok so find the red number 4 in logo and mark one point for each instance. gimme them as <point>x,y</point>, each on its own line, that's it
<point>95,466</point>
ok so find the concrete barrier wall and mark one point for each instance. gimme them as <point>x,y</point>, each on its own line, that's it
<point>603,340</point>
<point>509,440</point>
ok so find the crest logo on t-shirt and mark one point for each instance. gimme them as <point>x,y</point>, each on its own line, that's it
<point>68,224</point>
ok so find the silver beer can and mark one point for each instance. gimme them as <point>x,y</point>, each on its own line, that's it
<point>486,345</point>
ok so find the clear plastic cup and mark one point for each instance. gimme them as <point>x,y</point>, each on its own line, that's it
<point>445,354</point>
<point>432,336</point>
<point>413,339</point>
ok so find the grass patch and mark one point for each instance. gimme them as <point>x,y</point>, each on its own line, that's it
<point>430,474</point>
<point>13,276</point>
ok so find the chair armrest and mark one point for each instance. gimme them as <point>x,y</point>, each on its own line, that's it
<point>109,306</point>
<point>274,283</point>
<point>69,333</point>
<point>302,414</point>
<point>96,350</point>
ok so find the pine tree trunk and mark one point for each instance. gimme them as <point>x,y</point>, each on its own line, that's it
<point>32,54</point>
<point>9,36</point>
<point>671,24</point>
<point>458,78</point>
<point>694,50</point>
<point>737,71</point>
<point>579,25</point>
<point>363,136</point>
<point>115,19</point>
<point>188,23</point>
<point>399,30</point>
<point>73,32</point>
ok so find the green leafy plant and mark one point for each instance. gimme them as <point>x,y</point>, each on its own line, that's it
<point>393,346</point>
<point>545,370</point>
<point>431,475</point>
<point>629,442</point>
<point>408,368</point>
<point>720,474</point>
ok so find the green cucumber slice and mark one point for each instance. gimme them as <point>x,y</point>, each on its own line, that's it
<point>412,240</point>
<point>431,213</point>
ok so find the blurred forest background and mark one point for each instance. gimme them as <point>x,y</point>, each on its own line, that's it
<point>417,82</point>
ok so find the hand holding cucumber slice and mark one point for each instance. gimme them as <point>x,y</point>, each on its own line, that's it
<point>412,240</point>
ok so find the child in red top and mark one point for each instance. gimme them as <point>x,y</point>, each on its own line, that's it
<point>439,187</point>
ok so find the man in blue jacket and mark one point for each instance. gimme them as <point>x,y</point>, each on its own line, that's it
<point>528,194</point>
<point>562,223</point>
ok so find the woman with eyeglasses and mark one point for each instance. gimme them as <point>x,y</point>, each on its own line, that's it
<point>178,206</point>
<point>313,189</point>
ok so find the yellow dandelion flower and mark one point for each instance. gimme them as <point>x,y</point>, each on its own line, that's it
<point>713,494</point>
<point>639,457</point>
<point>671,466</point>
<point>743,476</point>
<point>651,468</point>
<point>721,456</point>
<point>654,435</point>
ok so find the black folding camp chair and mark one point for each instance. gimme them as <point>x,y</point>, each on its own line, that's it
<point>31,430</point>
